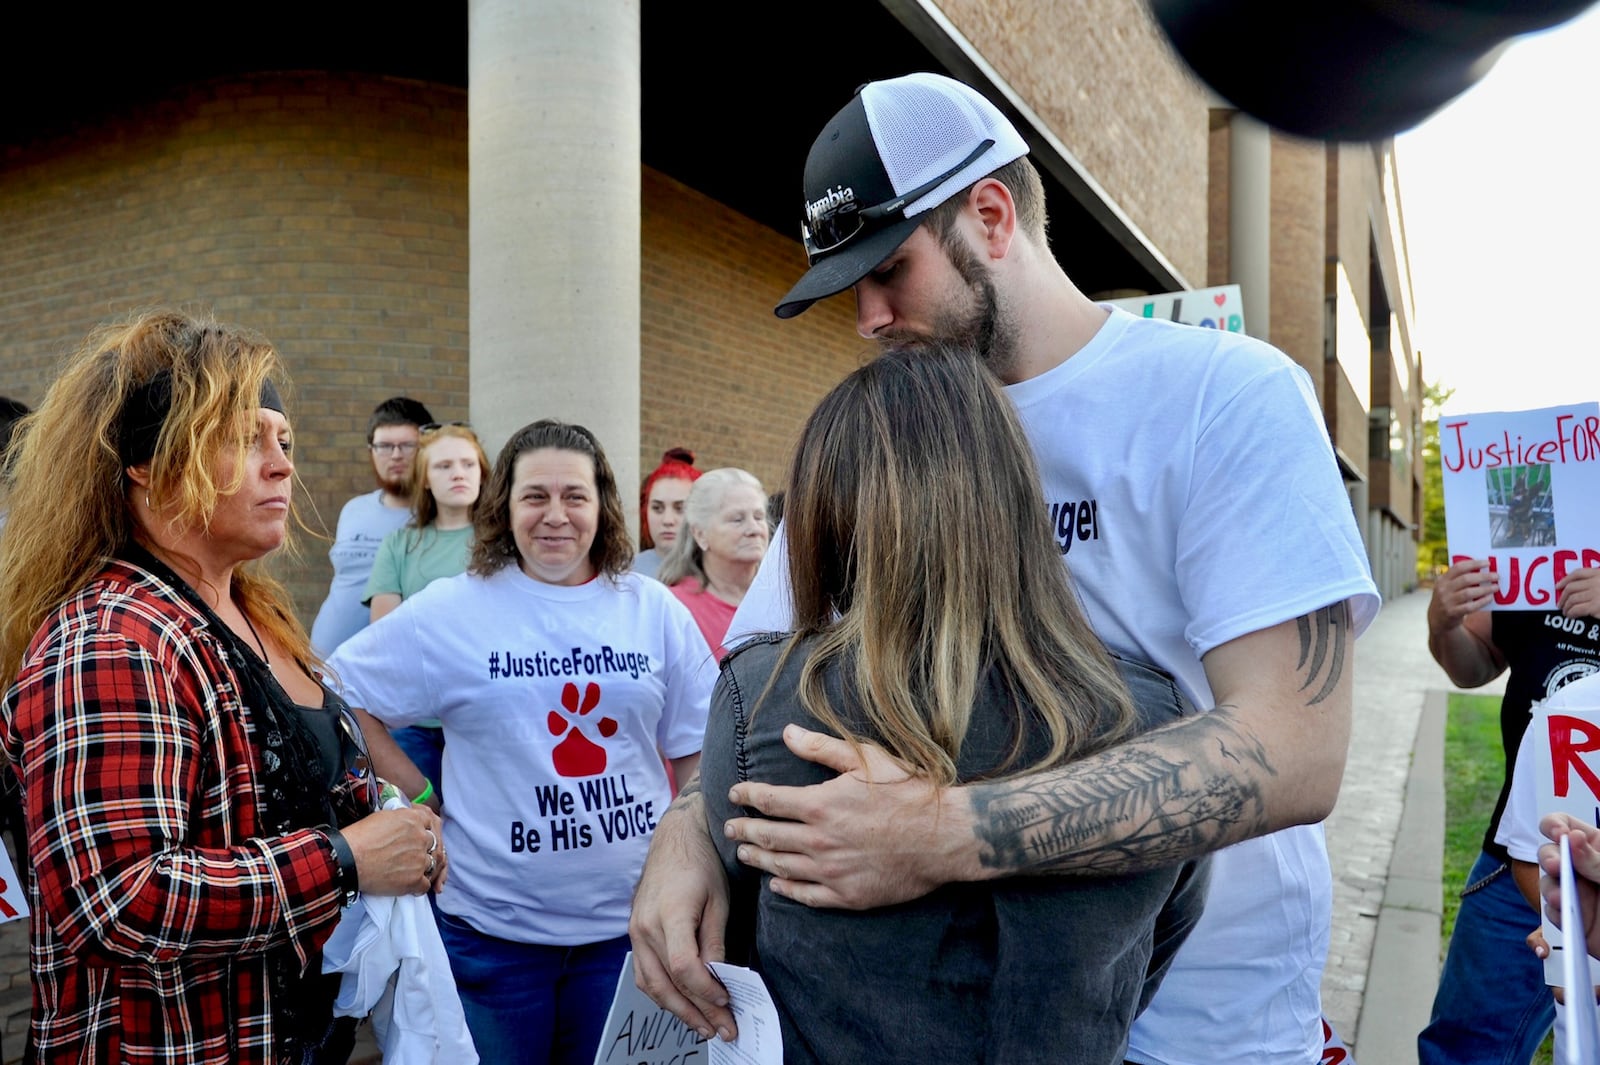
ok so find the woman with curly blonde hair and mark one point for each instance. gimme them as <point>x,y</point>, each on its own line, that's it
<point>198,803</point>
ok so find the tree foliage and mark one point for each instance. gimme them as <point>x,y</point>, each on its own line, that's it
<point>1433,555</point>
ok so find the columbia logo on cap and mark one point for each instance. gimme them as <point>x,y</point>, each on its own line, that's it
<point>897,149</point>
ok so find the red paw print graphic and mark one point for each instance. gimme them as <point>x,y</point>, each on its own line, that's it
<point>578,755</point>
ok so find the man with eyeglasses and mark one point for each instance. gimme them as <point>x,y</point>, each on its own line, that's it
<point>1190,475</point>
<point>392,434</point>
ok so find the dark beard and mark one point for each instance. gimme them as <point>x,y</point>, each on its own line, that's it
<point>984,330</point>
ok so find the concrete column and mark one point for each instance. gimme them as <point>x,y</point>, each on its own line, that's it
<point>553,154</point>
<point>1367,521</point>
<point>1250,219</point>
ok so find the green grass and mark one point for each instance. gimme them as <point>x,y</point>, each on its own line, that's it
<point>1474,765</point>
<point>1473,769</point>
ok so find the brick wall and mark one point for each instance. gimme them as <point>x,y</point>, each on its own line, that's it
<point>719,373</point>
<point>327,212</point>
<point>1298,238</point>
<point>1219,212</point>
<point>1101,75</point>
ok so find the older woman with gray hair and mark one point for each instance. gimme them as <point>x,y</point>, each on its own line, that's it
<point>712,564</point>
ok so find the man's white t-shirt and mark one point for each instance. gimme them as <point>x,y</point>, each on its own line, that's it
<point>363,523</point>
<point>1195,497</point>
<point>557,705</point>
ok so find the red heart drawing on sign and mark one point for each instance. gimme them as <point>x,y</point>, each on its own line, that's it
<point>1221,298</point>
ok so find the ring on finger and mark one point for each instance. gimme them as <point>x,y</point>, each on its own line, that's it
<point>433,841</point>
<point>432,866</point>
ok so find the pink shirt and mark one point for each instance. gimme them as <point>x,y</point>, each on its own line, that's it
<point>713,615</point>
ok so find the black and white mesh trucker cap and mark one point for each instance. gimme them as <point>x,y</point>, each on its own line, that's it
<point>897,149</point>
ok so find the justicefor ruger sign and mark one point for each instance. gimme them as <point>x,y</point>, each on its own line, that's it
<point>1522,489</point>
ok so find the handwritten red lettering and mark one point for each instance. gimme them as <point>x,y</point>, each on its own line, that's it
<point>1573,441</point>
<point>6,909</point>
<point>1571,737</point>
<point>1521,579</point>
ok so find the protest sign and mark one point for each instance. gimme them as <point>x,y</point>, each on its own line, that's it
<point>1522,489</point>
<point>13,906</point>
<point>1334,1052</point>
<point>1221,307</point>
<point>1565,738</point>
<point>1582,1029</point>
<point>638,1032</point>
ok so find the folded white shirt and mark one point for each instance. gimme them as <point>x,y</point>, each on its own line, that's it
<point>395,968</point>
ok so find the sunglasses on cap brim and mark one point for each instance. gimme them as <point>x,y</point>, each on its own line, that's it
<point>822,236</point>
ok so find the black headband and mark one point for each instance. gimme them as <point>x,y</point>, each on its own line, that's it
<point>145,411</point>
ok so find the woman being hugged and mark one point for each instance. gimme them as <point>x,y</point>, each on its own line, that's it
<point>718,550</point>
<point>561,680</point>
<point>933,616</point>
<point>185,775</point>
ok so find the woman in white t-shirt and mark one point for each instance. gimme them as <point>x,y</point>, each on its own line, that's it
<point>446,477</point>
<point>561,680</point>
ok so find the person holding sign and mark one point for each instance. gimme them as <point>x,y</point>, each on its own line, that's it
<point>954,640</point>
<point>560,680</point>
<point>1584,840</point>
<point>1545,651</point>
<point>201,806</point>
<point>1552,775</point>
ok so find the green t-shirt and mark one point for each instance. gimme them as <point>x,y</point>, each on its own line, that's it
<point>410,559</point>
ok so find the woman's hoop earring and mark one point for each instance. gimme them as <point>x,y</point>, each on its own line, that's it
<point>147,505</point>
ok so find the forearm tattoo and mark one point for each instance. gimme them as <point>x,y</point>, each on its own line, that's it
<point>1323,641</point>
<point>1161,798</point>
<point>1155,801</point>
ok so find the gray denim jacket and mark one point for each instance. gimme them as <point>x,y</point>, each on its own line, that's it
<point>1028,969</point>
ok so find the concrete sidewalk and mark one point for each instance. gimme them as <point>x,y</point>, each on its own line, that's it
<point>1385,838</point>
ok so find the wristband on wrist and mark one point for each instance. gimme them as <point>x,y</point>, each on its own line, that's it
<point>349,881</point>
<point>425,794</point>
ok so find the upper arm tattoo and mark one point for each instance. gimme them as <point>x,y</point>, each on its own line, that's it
<point>1324,642</point>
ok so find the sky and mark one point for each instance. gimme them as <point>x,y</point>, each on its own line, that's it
<point>1501,196</point>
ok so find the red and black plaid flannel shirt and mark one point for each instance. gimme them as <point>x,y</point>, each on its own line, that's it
<point>155,897</point>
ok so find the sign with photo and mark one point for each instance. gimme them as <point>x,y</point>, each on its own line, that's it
<point>1522,489</point>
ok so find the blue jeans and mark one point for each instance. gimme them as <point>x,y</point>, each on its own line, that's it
<point>527,1004</point>
<point>425,747</point>
<point>1493,1006</point>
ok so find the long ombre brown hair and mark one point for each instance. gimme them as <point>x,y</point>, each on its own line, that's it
<point>920,559</point>
<point>68,511</point>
